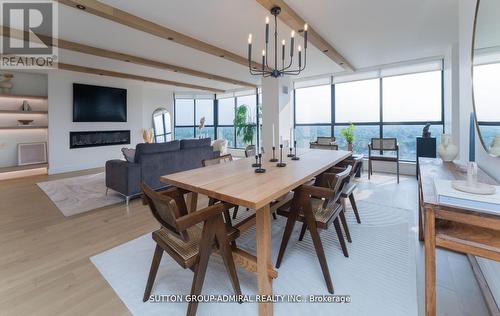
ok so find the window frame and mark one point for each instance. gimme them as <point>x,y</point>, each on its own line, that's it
<point>216,124</point>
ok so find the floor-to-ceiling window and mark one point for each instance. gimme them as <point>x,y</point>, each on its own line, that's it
<point>313,113</point>
<point>219,114</point>
<point>188,116</point>
<point>396,105</point>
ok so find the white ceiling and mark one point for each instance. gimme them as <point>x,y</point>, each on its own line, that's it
<point>367,33</point>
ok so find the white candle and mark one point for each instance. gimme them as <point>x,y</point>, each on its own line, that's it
<point>273,137</point>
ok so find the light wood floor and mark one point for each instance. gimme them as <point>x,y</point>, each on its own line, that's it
<point>44,256</point>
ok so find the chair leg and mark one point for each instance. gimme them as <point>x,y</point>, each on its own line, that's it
<point>303,231</point>
<point>340,237</point>
<point>369,168</point>
<point>354,208</point>
<point>227,256</point>
<point>320,252</point>
<point>344,224</point>
<point>290,223</point>
<point>235,212</point>
<point>206,242</point>
<point>274,216</point>
<point>152,272</point>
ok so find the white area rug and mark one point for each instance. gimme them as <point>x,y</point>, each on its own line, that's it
<point>80,194</point>
<point>379,275</point>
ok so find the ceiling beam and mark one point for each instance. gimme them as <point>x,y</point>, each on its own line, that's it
<point>295,22</point>
<point>81,48</point>
<point>122,17</point>
<point>122,75</point>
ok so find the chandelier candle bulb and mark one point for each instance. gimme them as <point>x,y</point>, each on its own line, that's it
<point>300,56</point>
<point>267,29</point>
<point>283,51</point>
<point>292,40</point>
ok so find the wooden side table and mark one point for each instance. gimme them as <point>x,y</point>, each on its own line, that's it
<point>453,228</point>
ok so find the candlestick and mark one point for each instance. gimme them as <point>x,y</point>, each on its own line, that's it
<point>472,139</point>
<point>256,164</point>
<point>295,148</point>
<point>281,163</point>
<point>260,169</point>
<point>273,136</point>
<point>274,156</point>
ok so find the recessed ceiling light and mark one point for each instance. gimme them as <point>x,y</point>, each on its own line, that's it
<point>341,63</point>
<point>175,70</point>
<point>221,56</point>
<point>170,38</point>
<point>326,50</point>
<point>81,7</point>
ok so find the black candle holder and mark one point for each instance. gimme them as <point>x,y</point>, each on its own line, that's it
<point>256,164</point>
<point>295,157</point>
<point>281,163</point>
<point>260,169</point>
<point>290,154</point>
<point>274,159</point>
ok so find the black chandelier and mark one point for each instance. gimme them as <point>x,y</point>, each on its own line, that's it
<point>276,72</point>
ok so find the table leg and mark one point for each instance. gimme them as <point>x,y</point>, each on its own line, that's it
<point>430,262</point>
<point>420,216</point>
<point>264,257</point>
<point>192,201</point>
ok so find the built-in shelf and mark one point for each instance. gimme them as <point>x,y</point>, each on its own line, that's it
<point>22,112</point>
<point>25,167</point>
<point>32,97</point>
<point>24,127</point>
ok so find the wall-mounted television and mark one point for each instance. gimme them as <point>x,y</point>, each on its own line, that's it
<point>99,104</point>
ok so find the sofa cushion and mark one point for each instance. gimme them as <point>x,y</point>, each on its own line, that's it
<point>141,149</point>
<point>194,143</point>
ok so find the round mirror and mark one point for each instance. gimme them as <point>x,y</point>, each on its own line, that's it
<point>486,74</point>
<point>162,125</point>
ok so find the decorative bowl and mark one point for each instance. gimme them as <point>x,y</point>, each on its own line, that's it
<point>25,122</point>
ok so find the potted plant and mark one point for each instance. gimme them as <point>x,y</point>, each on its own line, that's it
<point>348,134</point>
<point>244,126</point>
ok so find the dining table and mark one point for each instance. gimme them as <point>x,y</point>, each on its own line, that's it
<point>236,182</point>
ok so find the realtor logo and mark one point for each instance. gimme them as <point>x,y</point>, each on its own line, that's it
<point>28,32</point>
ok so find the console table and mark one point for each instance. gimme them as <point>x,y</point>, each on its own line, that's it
<point>454,228</point>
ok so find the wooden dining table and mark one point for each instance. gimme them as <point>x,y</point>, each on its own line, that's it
<point>236,182</point>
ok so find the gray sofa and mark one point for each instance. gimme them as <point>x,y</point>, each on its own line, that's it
<point>154,160</point>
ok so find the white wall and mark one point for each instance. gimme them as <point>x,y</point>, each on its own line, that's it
<point>23,84</point>
<point>491,165</point>
<point>142,99</point>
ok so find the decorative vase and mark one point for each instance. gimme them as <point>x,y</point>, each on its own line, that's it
<point>147,135</point>
<point>447,150</point>
<point>495,146</point>
<point>26,107</point>
<point>6,84</point>
<point>349,147</point>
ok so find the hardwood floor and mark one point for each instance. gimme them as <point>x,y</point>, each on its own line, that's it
<point>44,256</point>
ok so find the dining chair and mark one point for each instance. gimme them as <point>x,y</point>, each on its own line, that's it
<point>215,161</point>
<point>317,207</point>
<point>250,151</point>
<point>381,145</point>
<point>356,162</point>
<point>324,143</point>
<point>188,241</point>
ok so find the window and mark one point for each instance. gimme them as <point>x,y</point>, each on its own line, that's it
<point>357,101</point>
<point>188,113</point>
<point>412,98</point>
<point>313,105</point>
<point>406,102</point>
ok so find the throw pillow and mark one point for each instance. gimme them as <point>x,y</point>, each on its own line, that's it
<point>129,154</point>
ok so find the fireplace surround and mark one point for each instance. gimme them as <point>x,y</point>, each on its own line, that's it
<point>98,138</point>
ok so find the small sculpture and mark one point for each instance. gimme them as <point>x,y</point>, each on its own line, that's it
<point>447,150</point>
<point>425,131</point>
<point>26,107</point>
<point>6,84</point>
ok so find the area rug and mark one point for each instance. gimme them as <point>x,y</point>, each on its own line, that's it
<point>80,194</point>
<point>379,275</point>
